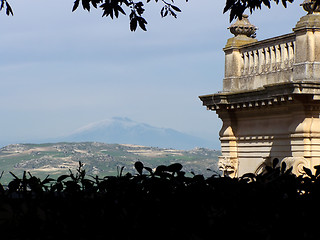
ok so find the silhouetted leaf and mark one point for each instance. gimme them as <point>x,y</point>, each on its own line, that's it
<point>13,175</point>
<point>88,184</point>
<point>198,178</point>
<point>95,3</point>
<point>284,3</point>
<point>47,180</point>
<point>173,13</point>
<point>9,9</point>
<point>139,8</point>
<point>163,12</point>
<point>283,167</point>
<point>14,184</point>
<point>317,170</point>
<point>181,174</point>
<point>307,171</point>
<point>289,171</point>
<point>120,9</point>
<point>75,5</point>
<point>57,187</point>
<point>160,169</point>
<point>2,4</point>
<point>248,177</point>
<point>267,3</point>
<point>268,169</point>
<point>72,186</point>
<point>275,162</point>
<point>62,177</point>
<point>149,170</point>
<point>133,24</point>
<point>1,189</point>
<point>317,3</point>
<point>142,23</point>
<point>175,167</point>
<point>229,4</point>
<point>139,167</point>
<point>175,8</point>
<point>86,5</point>
<point>24,175</point>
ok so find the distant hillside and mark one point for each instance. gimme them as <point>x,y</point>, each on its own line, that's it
<point>99,158</point>
<point>127,131</point>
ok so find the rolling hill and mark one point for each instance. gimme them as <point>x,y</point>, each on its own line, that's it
<point>100,159</point>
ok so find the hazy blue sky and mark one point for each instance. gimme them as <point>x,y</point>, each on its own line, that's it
<point>61,70</point>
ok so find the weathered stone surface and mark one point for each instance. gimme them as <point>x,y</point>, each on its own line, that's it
<point>243,27</point>
<point>270,103</point>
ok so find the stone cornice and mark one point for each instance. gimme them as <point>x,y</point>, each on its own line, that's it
<point>265,96</point>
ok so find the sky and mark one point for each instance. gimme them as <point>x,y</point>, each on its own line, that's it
<point>60,70</point>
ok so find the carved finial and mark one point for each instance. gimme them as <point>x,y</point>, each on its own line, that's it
<point>243,27</point>
<point>310,7</point>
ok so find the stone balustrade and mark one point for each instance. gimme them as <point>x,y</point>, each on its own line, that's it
<point>251,64</point>
<point>268,56</point>
<point>260,63</point>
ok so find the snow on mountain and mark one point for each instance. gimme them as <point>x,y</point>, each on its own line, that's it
<point>126,131</point>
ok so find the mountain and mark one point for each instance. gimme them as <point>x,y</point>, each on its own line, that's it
<point>127,131</point>
<point>98,158</point>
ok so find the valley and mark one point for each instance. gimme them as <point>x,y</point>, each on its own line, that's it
<point>100,159</point>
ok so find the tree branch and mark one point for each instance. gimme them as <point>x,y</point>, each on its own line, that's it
<point>5,5</point>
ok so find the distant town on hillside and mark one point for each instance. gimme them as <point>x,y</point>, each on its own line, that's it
<point>100,159</point>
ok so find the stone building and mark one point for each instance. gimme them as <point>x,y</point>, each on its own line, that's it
<point>270,102</point>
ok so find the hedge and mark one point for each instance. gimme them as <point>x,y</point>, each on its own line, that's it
<point>161,204</point>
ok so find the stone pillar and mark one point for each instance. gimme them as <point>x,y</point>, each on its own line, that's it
<point>228,161</point>
<point>305,134</point>
<point>307,52</point>
<point>244,34</point>
<point>305,127</point>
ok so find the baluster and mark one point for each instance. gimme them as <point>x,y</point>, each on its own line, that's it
<point>283,55</point>
<point>278,57</point>
<point>247,63</point>
<point>266,59</point>
<point>273,58</point>
<point>242,63</point>
<point>251,62</point>
<point>256,61</point>
<point>286,55</point>
<point>261,55</point>
<point>291,54</point>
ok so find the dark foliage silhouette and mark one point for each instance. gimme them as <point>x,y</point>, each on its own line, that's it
<point>237,7</point>
<point>112,8</point>
<point>135,9</point>
<point>161,203</point>
<point>5,5</point>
